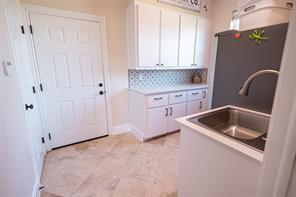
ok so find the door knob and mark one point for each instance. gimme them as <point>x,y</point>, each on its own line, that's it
<point>29,106</point>
<point>100,85</point>
<point>101,92</point>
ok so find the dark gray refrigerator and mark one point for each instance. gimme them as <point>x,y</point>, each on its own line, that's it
<point>238,58</point>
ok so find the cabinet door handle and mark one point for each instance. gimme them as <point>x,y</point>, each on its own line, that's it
<point>178,95</point>
<point>200,105</point>
<point>166,112</point>
<point>159,98</point>
<point>204,94</point>
<point>171,109</point>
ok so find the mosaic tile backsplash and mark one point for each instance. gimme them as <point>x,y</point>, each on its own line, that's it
<point>156,78</point>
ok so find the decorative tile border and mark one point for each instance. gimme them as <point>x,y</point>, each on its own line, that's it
<point>156,78</point>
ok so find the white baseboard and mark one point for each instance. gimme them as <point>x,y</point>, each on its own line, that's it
<point>137,133</point>
<point>120,129</point>
<point>36,191</point>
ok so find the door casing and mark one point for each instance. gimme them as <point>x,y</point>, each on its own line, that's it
<point>26,10</point>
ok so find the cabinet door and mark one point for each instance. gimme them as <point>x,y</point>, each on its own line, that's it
<point>205,99</point>
<point>187,40</point>
<point>194,107</point>
<point>157,121</point>
<point>203,42</point>
<point>176,111</point>
<point>169,38</point>
<point>148,35</point>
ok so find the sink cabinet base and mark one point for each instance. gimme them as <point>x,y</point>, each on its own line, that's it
<point>209,168</point>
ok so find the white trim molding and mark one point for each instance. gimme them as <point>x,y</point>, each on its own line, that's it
<point>137,133</point>
<point>124,128</point>
<point>28,8</point>
<point>280,149</point>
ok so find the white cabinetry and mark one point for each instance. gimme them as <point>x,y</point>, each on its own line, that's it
<point>176,111</point>
<point>161,38</point>
<point>157,121</point>
<point>187,40</point>
<point>197,101</point>
<point>203,42</point>
<point>169,42</point>
<point>148,35</point>
<point>154,115</point>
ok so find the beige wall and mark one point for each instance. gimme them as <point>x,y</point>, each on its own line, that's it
<point>222,14</point>
<point>114,11</point>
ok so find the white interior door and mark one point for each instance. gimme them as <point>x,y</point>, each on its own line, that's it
<point>26,81</point>
<point>169,43</point>
<point>70,65</point>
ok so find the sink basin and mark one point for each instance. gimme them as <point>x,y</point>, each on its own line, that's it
<point>242,125</point>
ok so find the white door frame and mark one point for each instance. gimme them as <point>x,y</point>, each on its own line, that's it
<point>28,8</point>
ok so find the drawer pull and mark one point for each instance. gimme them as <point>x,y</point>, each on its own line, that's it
<point>157,99</point>
<point>178,95</point>
<point>195,93</point>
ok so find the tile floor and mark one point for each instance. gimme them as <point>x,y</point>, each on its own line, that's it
<point>114,166</point>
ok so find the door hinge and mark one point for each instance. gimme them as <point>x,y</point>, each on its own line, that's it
<point>23,29</point>
<point>49,136</point>
<point>42,139</point>
<point>31,29</point>
<point>41,87</point>
<point>34,90</point>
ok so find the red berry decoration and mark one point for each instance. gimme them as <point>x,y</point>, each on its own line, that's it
<point>237,35</point>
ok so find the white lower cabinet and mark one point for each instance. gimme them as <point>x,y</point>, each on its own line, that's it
<point>155,115</point>
<point>196,104</point>
<point>161,120</point>
<point>157,121</point>
<point>194,107</point>
<point>175,111</point>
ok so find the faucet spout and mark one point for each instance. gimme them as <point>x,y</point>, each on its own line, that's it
<point>244,91</point>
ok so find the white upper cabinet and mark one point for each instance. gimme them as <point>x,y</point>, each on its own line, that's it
<point>161,38</point>
<point>187,40</point>
<point>148,35</point>
<point>203,43</point>
<point>169,41</point>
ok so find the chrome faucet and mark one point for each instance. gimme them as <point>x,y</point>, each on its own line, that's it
<point>244,91</point>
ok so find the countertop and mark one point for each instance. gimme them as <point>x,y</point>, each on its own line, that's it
<point>257,155</point>
<point>168,89</point>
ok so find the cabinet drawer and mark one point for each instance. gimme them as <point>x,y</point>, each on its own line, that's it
<point>194,95</point>
<point>177,97</point>
<point>157,100</point>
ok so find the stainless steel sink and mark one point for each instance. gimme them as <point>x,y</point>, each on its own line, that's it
<point>244,126</point>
